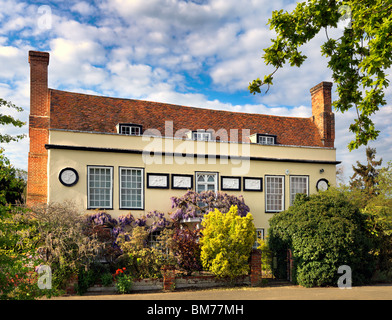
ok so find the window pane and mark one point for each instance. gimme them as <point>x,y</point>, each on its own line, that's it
<point>211,178</point>
<point>100,187</point>
<point>202,136</point>
<point>201,188</point>
<point>130,130</point>
<point>206,182</point>
<point>274,193</point>
<point>131,191</point>
<point>298,185</point>
<point>266,140</point>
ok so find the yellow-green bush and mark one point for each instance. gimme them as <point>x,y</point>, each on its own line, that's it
<point>226,242</point>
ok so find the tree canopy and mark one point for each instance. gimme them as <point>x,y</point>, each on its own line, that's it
<point>358,59</point>
<point>365,175</point>
<point>324,231</point>
<point>12,182</point>
<point>9,120</point>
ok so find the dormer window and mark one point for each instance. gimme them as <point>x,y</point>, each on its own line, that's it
<point>263,138</point>
<point>201,136</point>
<point>266,139</point>
<point>129,129</point>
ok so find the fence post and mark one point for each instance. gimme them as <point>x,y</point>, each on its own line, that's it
<point>255,267</point>
<point>169,278</point>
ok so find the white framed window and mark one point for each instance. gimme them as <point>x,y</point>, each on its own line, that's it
<point>298,184</point>
<point>100,187</point>
<point>153,240</point>
<point>130,130</point>
<point>259,236</point>
<point>201,136</point>
<point>131,188</point>
<point>206,181</point>
<point>268,140</point>
<point>274,193</point>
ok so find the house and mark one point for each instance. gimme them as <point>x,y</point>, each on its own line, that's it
<point>126,155</point>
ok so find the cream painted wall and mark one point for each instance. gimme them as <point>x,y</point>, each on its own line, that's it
<point>159,199</point>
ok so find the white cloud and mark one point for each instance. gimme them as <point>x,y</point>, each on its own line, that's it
<point>84,8</point>
<point>72,63</point>
<point>11,58</point>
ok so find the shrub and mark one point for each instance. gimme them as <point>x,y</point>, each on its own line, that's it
<point>96,273</point>
<point>62,241</point>
<point>141,260</point>
<point>324,231</point>
<point>106,279</point>
<point>266,255</point>
<point>227,242</point>
<point>125,240</point>
<point>17,249</point>
<point>186,248</point>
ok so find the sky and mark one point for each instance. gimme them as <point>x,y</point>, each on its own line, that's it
<point>200,53</point>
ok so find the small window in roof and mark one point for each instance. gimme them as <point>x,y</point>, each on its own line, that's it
<point>201,136</point>
<point>266,139</point>
<point>129,129</point>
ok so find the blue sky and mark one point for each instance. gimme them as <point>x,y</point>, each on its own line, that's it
<point>196,53</point>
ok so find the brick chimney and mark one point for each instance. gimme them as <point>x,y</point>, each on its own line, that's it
<point>322,113</point>
<point>37,180</point>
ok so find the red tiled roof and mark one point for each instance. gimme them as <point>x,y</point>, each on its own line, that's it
<point>82,112</point>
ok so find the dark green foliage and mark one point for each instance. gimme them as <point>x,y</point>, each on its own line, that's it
<point>6,119</point>
<point>97,273</point>
<point>365,176</point>
<point>12,184</point>
<point>324,231</point>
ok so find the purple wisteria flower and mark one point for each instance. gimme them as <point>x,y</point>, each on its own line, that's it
<point>193,204</point>
<point>101,218</point>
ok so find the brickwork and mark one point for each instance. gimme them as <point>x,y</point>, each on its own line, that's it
<point>323,116</point>
<point>255,268</point>
<point>39,122</point>
<point>169,278</point>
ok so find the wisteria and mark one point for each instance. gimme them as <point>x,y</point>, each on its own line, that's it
<point>126,222</point>
<point>159,221</point>
<point>193,204</point>
<point>101,218</point>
